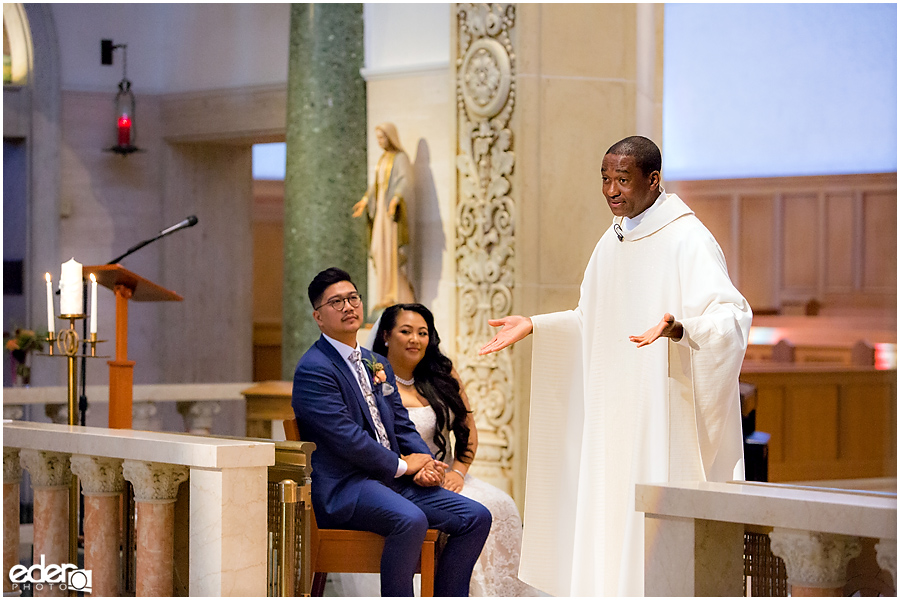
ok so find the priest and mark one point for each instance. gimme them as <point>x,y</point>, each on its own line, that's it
<point>612,407</point>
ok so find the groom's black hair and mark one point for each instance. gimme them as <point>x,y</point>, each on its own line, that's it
<point>324,279</point>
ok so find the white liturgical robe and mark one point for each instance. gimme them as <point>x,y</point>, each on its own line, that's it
<point>606,414</point>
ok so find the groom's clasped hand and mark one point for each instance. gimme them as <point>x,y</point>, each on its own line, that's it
<point>425,469</point>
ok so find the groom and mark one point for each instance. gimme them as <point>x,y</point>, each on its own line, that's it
<point>371,469</point>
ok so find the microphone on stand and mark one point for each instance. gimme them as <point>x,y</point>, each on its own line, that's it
<point>189,222</point>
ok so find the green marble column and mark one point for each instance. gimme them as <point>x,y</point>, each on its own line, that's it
<point>326,162</point>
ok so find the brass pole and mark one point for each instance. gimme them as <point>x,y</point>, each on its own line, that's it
<point>287,556</point>
<point>305,533</point>
<point>74,496</point>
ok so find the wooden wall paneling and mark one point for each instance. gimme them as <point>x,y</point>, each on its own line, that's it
<point>879,240</point>
<point>821,421</point>
<point>862,421</point>
<point>801,234</point>
<point>758,250</point>
<point>839,247</point>
<point>811,423</point>
<point>770,418</point>
<point>710,209</point>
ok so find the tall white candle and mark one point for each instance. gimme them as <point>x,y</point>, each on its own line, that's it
<point>93,303</point>
<point>71,289</point>
<point>51,320</point>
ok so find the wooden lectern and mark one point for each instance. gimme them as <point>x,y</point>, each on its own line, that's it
<point>127,286</point>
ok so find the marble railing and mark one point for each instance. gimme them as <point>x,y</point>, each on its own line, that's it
<point>694,535</point>
<point>198,403</point>
<point>221,529</point>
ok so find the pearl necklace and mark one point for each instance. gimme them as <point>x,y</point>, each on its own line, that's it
<point>411,381</point>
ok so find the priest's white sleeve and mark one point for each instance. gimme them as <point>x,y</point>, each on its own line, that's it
<point>716,320</point>
<point>554,450</point>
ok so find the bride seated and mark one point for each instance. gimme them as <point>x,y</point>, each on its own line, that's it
<point>434,395</point>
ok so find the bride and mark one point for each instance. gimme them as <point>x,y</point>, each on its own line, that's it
<point>433,394</point>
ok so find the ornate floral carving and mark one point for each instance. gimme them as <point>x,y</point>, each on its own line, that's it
<point>12,468</point>
<point>814,559</point>
<point>99,475</point>
<point>485,233</point>
<point>47,469</point>
<point>154,482</point>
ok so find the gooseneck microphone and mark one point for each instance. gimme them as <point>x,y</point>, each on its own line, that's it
<point>618,231</point>
<point>189,222</point>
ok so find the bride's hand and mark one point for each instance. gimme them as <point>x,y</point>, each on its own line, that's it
<point>453,481</point>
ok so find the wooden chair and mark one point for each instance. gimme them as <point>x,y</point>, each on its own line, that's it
<point>349,551</point>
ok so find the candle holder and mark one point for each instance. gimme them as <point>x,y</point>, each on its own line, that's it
<point>67,342</point>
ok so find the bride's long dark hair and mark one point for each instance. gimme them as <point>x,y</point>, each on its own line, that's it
<point>434,380</point>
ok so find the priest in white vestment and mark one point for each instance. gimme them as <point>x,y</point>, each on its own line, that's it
<point>610,408</point>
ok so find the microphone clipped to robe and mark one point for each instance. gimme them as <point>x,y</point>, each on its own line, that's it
<point>618,231</point>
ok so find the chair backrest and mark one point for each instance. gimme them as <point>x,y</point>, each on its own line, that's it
<point>291,430</point>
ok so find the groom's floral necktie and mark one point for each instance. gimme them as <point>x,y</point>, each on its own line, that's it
<point>381,433</point>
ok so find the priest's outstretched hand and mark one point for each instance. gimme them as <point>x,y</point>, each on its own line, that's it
<point>667,327</point>
<point>514,328</point>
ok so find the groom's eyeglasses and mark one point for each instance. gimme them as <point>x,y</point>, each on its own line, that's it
<point>338,303</point>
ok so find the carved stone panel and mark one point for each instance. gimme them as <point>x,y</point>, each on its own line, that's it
<point>485,228</point>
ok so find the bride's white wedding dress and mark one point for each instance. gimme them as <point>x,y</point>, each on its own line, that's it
<point>497,567</point>
<point>495,573</point>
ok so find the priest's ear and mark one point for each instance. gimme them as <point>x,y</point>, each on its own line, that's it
<point>655,180</point>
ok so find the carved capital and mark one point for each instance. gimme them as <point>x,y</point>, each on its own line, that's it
<point>886,555</point>
<point>47,469</point>
<point>154,482</point>
<point>12,468</point>
<point>198,416</point>
<point>99,476</point>
<point>814,559</point>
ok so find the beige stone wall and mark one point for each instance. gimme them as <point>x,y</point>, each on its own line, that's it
<point>421,106</point>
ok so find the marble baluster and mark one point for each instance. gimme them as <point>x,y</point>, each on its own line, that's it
<point>58,413</point>
<point>102,484</point>
<point>13,412</point>
<point>144,416</point>
<point>50,478</point>
<point>12,476</point>
<point>155,490</point>
<point>816,562</point>
<point>886,555</point>
<point>198,416</point>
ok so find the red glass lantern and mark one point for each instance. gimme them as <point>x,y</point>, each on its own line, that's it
<point>125,132</point>
<point>124,102</point>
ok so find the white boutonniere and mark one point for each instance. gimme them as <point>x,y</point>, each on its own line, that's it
<point>386,389</point>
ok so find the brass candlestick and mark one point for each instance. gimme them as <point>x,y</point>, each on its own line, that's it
<point>67,342</point>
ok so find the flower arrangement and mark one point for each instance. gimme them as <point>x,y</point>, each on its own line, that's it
<point>20,345</point>
<point>377,370</point>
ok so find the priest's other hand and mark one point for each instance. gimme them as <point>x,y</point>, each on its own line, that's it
<point>514,328</point>
<point>667,327</point>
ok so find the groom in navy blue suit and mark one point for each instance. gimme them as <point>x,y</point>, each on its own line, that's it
<point>371,469</point>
